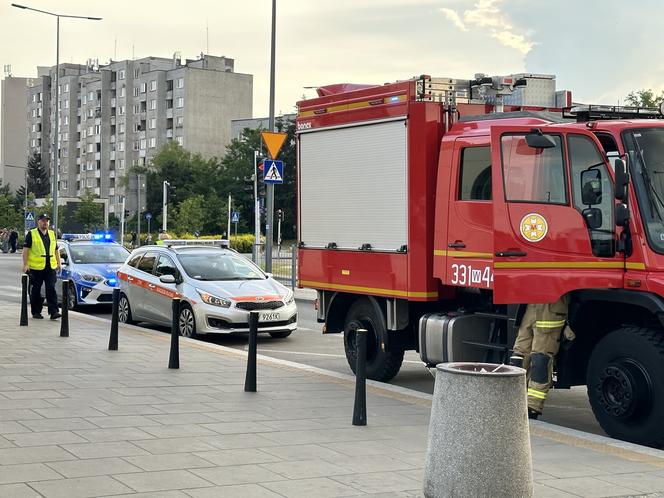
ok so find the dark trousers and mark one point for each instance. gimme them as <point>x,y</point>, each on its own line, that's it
<point>12,245</point>
<point>48,278</point>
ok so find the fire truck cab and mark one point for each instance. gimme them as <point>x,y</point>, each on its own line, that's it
<point>432,211</point>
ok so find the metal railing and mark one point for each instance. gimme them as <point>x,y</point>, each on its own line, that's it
<point>284,263</point>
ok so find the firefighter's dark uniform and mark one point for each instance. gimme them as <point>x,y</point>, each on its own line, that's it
<point>536,347</point>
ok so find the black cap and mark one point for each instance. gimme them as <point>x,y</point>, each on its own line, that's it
<point>44,217</point>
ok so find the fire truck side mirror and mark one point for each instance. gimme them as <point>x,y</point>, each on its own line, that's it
<point>537,140</point>
<point>622,215</point>
<point>622,179</point>
<point>593,217</point>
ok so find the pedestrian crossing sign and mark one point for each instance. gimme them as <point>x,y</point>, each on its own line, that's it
<point>29,216</point>
<point>273,172</point>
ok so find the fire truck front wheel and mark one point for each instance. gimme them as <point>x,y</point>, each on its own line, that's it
<point>626,385</point>
<point>382,363</point>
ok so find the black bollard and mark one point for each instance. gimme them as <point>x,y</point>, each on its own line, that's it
<point>113,339</point>
<point>360,408</point>
<point>64,320</point>
<point>174,357</point>
<point>250,379</point>
<point>24,301</point>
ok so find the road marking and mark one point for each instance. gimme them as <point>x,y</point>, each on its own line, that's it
<point>10,287</point>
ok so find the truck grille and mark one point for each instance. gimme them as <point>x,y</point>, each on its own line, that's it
<point>264,305</point>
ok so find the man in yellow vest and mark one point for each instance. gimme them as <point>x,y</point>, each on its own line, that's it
<point>41,260</point>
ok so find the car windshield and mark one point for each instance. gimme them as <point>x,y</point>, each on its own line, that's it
<point>645,151</point>
<point>222,265</point>
<point>98,253</point>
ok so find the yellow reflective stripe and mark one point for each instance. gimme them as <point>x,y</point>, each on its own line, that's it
<point>544,324</point>
<point>353,105</point>
<point>367,290</point>
<point>462,254</point>
<point>536,394</point>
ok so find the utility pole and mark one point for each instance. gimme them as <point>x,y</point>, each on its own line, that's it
<point>270,187</point>
<point>257,213</point>
<point>164,205</point>
<point>229,220</point>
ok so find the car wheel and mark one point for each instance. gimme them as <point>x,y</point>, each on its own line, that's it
<point>281,335</point>
<point>124,310</point>
<point>382,364</point>
<point>187,322</point>
<point>625,385</point>
<point>72,301</point>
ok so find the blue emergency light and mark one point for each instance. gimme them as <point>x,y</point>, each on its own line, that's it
<point>94,237</point>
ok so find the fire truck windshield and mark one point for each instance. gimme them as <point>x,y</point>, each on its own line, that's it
<point>645,150</point>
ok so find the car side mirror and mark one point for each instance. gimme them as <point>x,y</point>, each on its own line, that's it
<point>167,279</point>
<point>591,187</point>
<point>622,179</point>
<point>537,140</point>
<point>593,218</point>
<point>622,215</point>
<point>269,275</point>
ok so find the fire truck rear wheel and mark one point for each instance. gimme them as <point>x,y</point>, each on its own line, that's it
<point>625,385</point>
<point>381,365</point>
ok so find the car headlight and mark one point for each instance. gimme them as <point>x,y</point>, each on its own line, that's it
<point>92,278</point>
<point>289,298</point>
<point>213,300</point>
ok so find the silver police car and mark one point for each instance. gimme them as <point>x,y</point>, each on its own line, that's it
<point>218,288</point>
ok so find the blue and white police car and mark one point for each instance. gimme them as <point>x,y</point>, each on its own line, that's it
<point>89,263</point>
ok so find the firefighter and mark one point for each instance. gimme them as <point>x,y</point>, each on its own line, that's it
<point>536,346</point>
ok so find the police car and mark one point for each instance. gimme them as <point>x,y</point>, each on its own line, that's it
<point>90,263</point>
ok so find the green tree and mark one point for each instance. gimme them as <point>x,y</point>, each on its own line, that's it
<point>190,214</point>
<point>88,212</point>
<point>644,98</point>
<point>10,217</point>
<point>37,178</point>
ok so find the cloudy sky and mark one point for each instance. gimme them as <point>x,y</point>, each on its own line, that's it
<point>600,49</point>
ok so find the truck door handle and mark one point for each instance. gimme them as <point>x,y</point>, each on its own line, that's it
<point>507,254</point>
<point>456,245</point>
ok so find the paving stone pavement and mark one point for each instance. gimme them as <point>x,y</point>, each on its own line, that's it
<point>77,420</point>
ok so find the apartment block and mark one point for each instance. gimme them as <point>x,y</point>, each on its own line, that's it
<point>13,138</point>
<point>118,115</point>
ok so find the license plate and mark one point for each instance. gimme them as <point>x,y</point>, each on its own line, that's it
<point>269,317</point>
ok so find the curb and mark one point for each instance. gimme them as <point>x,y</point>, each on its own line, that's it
<point>603,444</point>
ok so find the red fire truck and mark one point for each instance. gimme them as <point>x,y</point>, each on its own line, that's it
<point>432,210</point>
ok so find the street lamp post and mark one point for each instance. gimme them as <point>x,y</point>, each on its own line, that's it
<point>270,187</point>
<point>56,154</point>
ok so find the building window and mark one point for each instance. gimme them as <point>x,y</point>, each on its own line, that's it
<point>97,129</point>
<point>144,87</point>
<point>179,102</point>
<point>90,130</point>
<point>66,119</point>
<point>121,146</point>
<point>122,92</point>
<point>121,164</point>
<point>143,143</point>
<point>137,108</point>
<point>34,97</point>
<point>63,184</point>
<point>179,140</point>
<point>121,128</point>
<point>153,85</point>
<point>121,110</point>
<point>66,104</point>
<point>153,142</point>
<point>153,104</point>
<point>137,72</point>
<point>91,96</point>
<point>84,99</point>
<point>83,135</point>
<point>121,74</point>
<point>91,113</point>
<point>65,136</point>
<point>179,121</point>
<point>91,148</point>
<point>90,182</point>
<point>180,83</point>
<point>153,123</point>
<point>66,90</point>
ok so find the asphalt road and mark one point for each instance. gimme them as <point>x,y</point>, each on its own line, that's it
<point>568,408</point>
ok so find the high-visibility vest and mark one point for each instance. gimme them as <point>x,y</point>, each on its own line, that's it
<point>37,253</point>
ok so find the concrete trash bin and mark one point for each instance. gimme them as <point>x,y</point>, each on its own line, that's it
<point>479,439</point>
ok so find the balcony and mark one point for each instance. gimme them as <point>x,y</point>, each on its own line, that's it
<point>112,120</point>
<point>78,128</point>
<point>113,101</point>
<point>111,191</point>
<point>111,174</point>
<point>98,156</point>
<point>113,139</point>
<point>112,155</point>
<point>169,113</point>
<point>78,176</point>
<point>98,173</point>
<point>97,191</point>
<point>169,133</point>
<point>141,153</point>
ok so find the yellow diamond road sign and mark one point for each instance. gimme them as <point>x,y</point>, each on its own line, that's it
<point>273,142</point>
